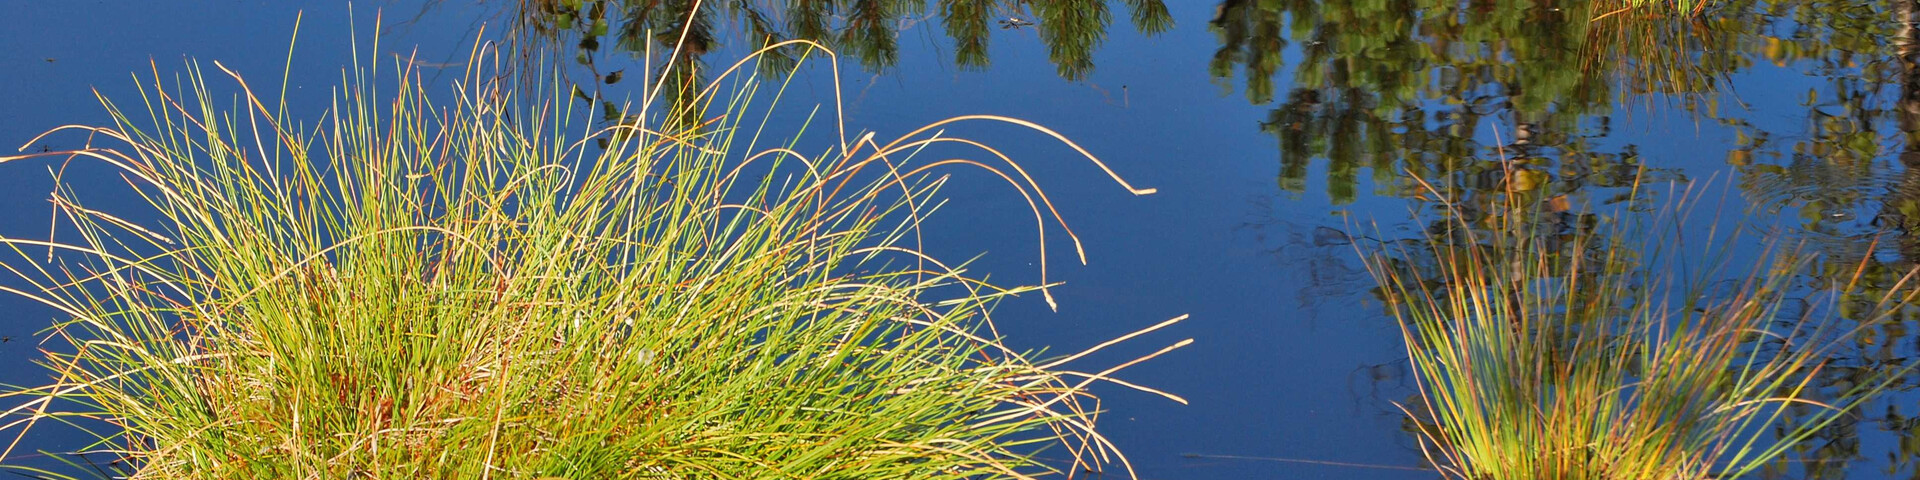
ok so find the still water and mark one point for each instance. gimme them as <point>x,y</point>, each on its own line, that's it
<point>1268,127</point>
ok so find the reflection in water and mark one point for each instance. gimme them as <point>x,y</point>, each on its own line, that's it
<point>1325,255</point>
<point>1405,87</point>
<point>1413,90</point>
<point>593,31</point>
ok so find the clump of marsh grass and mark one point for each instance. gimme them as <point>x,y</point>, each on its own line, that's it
<point>1594,349</point>
<point>469,289</point>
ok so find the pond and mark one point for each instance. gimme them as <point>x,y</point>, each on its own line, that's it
<point>1270,129</point>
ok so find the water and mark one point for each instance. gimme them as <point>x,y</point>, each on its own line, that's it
<point>1268,128</point>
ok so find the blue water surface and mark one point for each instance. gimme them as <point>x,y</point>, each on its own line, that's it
<point>1295,369</point>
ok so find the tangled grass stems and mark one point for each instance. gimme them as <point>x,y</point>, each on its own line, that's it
<point>417,290</point>
<point>1679,8</point>
<point>1601,352</point>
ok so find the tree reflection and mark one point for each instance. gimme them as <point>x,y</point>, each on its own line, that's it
<point>592,32</point>
<point>1405,87</point>
<point>1396,93</point>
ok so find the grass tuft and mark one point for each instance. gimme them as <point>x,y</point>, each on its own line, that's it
<point>1551,345</point>
<point>470,289</point>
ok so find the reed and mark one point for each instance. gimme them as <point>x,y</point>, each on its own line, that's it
<point>1611,348</point>
<point>411,287</point>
